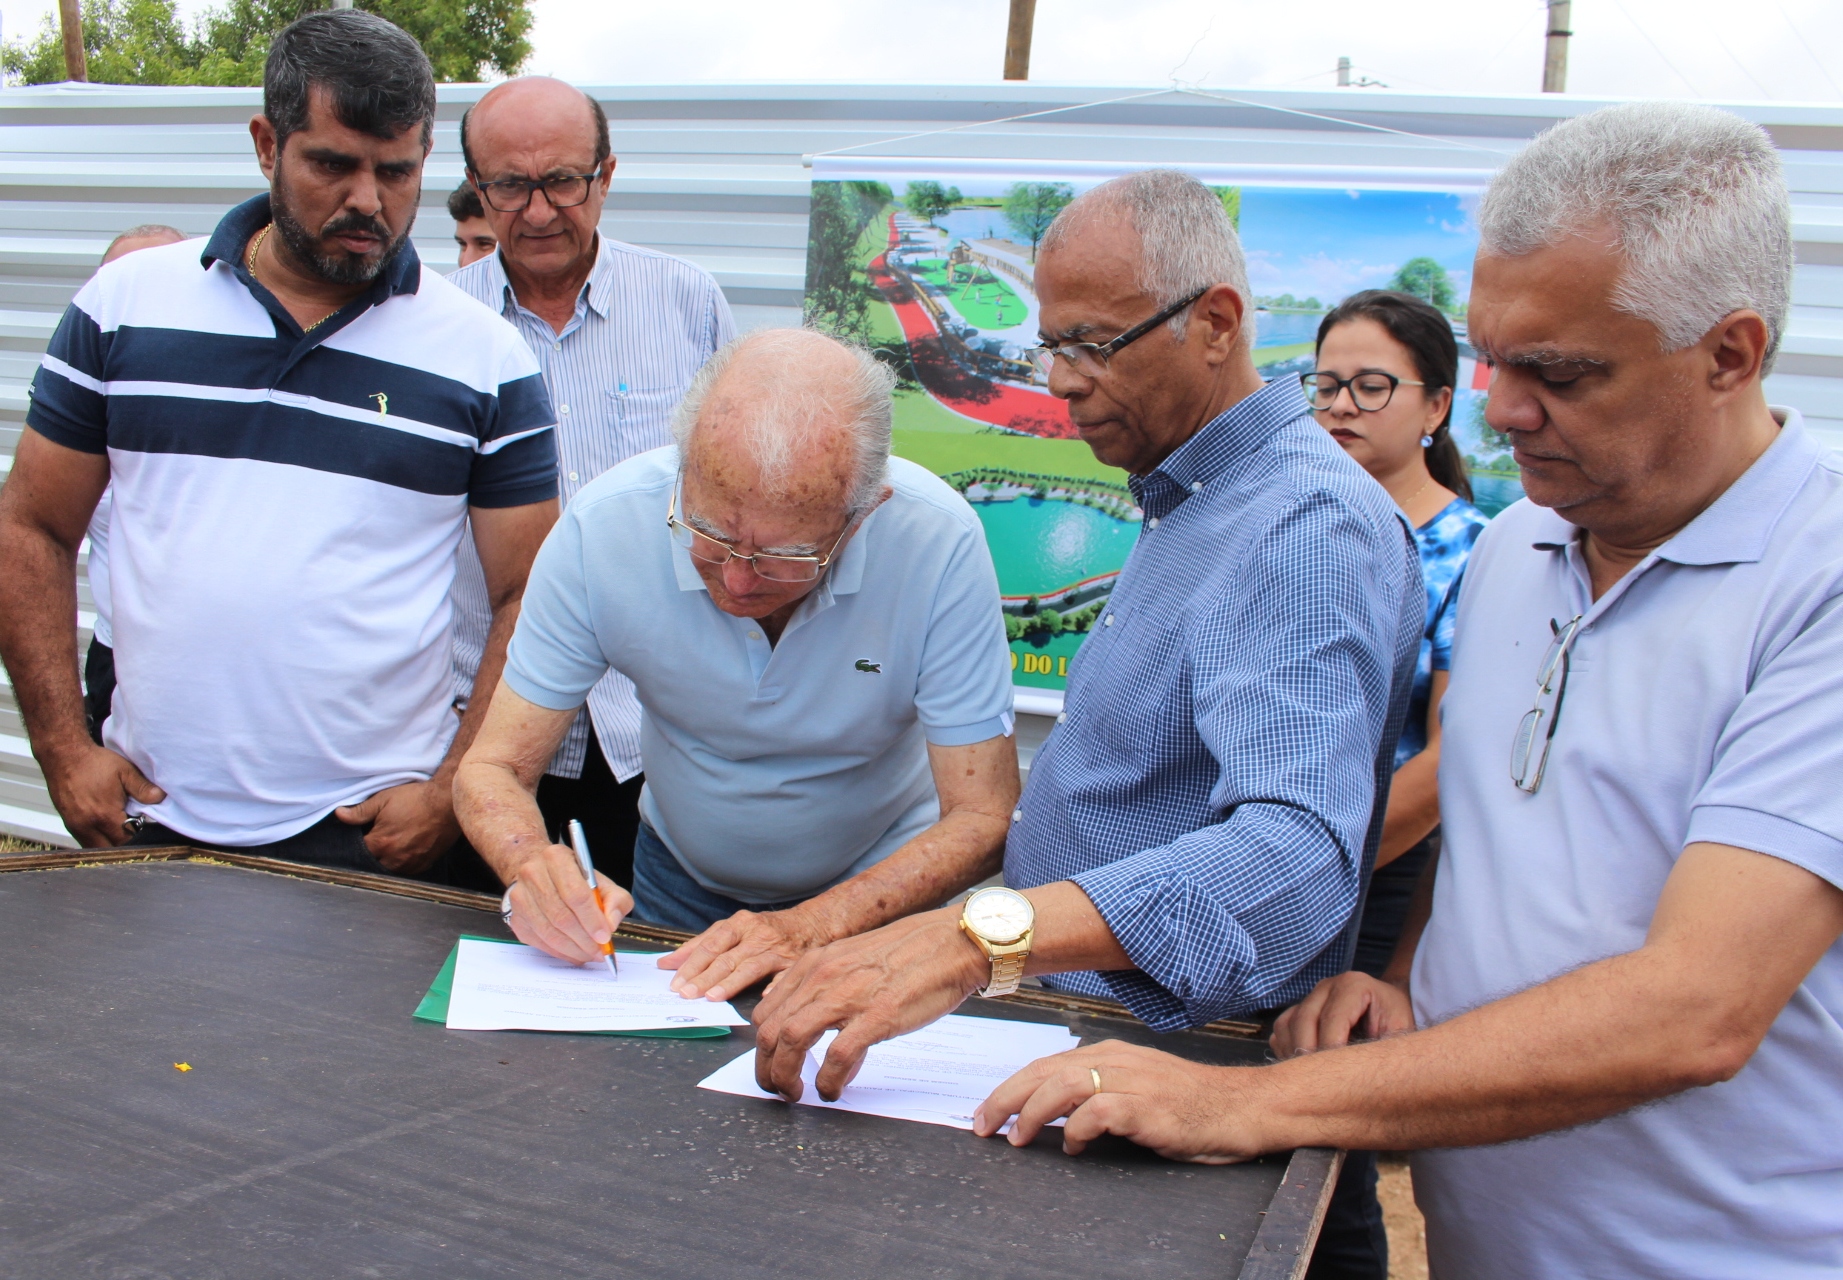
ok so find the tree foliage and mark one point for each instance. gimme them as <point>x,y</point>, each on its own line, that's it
<point>837,295</point>
<point>928,200</point>
<point>144,41</point>
<point>1231,203</point>
<point>1425,278</point>
<point>1031,206</point>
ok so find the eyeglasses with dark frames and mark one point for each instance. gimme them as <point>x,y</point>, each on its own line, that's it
<point>1529,750</point>
<point>512,195</point>
<point>1090,358</point>
<point>1370,390</point>
<point>718,552</point>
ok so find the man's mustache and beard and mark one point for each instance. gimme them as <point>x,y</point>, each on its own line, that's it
<point>330,261</point>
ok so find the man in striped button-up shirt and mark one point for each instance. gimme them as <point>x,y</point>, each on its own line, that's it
<point>1194,835</point>
<point>619,332</point>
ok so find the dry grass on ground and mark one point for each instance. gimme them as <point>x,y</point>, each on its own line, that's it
<point>1407,1233</point>
<point>12,844</point>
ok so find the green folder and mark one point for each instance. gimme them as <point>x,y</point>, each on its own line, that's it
<point>434,1006</point>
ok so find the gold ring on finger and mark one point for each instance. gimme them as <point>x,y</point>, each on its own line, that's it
<point>1094,1074</point>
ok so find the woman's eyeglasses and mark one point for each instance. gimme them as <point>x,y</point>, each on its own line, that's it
<point>1370,392</point>
<point>1529,751</point>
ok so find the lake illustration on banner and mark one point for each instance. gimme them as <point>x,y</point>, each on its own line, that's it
<point>939,279</point>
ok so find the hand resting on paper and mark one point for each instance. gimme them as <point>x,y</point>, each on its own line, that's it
<point>871,988</point>
<point>553,910</point>
<point>734,954</point>
<point>1182,1110</point>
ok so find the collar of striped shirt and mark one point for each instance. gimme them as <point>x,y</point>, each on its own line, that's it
<point>598,288</point>
<point>1216,447</point>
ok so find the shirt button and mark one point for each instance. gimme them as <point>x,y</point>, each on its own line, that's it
<point>1196,486</point>
<point>556,346</point>
<point>1150,524</point>
<point>1108,622</point>
<point>755,635</point>
<point>1017,815</point>
<point>1061,717</point>
<point>572,475</point>
<point>566,408</point>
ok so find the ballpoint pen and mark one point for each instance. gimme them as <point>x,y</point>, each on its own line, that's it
<point>581,844</point>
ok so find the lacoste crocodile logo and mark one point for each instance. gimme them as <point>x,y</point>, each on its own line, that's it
<point>865,664</point>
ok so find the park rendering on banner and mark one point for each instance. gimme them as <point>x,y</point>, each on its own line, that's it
<point>939,279</point>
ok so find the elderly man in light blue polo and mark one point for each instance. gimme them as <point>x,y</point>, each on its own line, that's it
<point>814,633</point>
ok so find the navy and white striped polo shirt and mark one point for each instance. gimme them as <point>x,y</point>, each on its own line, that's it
<point>287,508</point>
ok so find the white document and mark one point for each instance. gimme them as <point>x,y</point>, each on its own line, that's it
<point>511,987</point>
<point>936,1075</point>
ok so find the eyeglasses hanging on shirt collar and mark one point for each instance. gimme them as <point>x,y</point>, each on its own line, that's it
<point>773,568</point>
<point>1529,752</point>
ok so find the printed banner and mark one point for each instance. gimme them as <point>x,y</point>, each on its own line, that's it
<point>936,272</point>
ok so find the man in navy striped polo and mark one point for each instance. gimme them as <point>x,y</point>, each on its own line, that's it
<point>619,331</point>
<point>297,426</point>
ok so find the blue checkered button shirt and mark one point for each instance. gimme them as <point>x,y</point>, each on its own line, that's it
<point>1212,782</point>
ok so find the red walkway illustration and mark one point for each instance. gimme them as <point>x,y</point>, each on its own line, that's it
<point>950,382</point>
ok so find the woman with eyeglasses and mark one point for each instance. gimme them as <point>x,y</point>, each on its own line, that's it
<point>1383,385</point>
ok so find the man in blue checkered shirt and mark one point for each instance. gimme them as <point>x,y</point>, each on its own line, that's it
<point>1195,831</point>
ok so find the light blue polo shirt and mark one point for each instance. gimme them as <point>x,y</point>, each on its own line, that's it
<point>1704,702</point>
<point>774,772</point>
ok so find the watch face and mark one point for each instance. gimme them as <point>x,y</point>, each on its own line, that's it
<point>999,915</point>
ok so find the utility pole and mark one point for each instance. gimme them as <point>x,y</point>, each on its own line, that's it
<point>1555,58</point>
<point>76,67</point>
<point>1363,82</point>
<point>1017,39</point>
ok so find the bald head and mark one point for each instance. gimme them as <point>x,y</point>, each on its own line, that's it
<point>795,418</point>
<point>143,237</point>
<point>533,113</point>
<point>784,443</point>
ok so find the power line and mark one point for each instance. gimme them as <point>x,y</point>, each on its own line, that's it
<point>1822,70</point>
<point>1520,31</point>
<point>1619,5</point>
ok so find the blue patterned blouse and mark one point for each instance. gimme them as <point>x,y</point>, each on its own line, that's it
<point>1444,542</point>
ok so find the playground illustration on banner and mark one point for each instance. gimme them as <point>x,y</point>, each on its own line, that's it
<point>939,279</point>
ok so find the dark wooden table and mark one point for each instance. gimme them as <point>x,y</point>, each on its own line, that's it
<point>323,1133</point>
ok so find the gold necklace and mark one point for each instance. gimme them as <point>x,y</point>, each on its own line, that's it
<point>1417,493</point>
<point>250,263</point>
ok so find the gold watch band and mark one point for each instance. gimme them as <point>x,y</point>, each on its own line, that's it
<point>1007,972</point>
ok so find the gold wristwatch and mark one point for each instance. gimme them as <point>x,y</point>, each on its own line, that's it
<point>1001,923</point>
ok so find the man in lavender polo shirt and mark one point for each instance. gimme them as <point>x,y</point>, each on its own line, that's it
<point>1640,896</point>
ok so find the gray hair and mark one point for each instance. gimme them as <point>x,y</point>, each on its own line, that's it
<point>1186,240</point>
<point>788,415</point>
<point>1694,196</point>
<point>146,231</point>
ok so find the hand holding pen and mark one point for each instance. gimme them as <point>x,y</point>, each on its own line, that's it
<point>580,843</point>
<point>560,905</point>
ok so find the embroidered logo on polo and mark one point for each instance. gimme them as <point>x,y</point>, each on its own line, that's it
<point>865,664</point>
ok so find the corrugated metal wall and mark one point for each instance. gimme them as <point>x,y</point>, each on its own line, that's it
<point>719,174</point>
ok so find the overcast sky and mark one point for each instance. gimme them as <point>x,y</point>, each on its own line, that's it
<point>1790,50</point>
